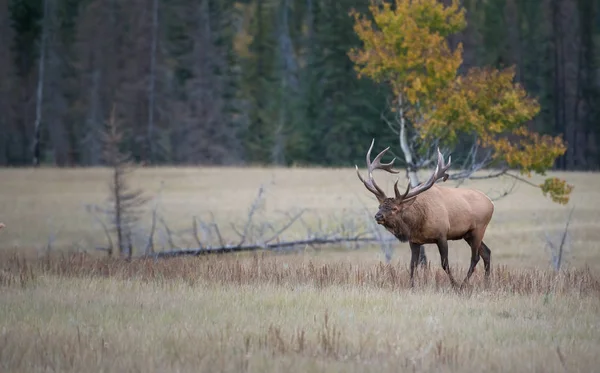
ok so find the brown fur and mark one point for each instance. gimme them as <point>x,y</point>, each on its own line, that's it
<point>429,213</point>
<point>438,215</point>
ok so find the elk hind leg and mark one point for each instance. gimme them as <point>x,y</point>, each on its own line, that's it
<point>475,244</point>
<point>486,255</point>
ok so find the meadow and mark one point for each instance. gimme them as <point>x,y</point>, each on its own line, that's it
<point>324,309</point>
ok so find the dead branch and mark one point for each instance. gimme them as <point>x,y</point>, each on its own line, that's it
<point>195,234</point>
<point>150,245</point>
<point>253,247</point>
<point>169,233</point>
<point>91,209</point>
<point>562,241</point>
<point>253,208</point>
<point>291,221</point>
<point>504,193</point>
<point>385,245</point>
<point>217,231</point>
<point>51,237</point>
<point>557,251</point>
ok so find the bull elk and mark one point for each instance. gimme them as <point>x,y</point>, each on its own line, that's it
<point>432,214</point>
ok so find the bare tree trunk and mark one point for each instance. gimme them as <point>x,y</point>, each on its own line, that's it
<point>570,44</point>
<point>410,164</point>
<point>55,105</point>
<point>40,88</point>
<point>118,210</point>
<point>559,122</point>
<point>93,121</point>
<point>511,13</point>
<point>6,83</point>
<point>151,84</point>
<point>408,156</point>
<point>309,20</point>
<point>278,149</point>
<point>288,82</point>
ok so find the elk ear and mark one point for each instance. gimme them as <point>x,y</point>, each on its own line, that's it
<point>408,202</point>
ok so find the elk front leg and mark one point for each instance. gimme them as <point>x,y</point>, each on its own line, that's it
<point>415,251</point>
<point>442,245</point>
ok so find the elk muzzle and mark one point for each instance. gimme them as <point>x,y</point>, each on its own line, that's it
<point>379,218</point>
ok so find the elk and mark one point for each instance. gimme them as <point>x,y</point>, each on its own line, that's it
<point>432,214</point>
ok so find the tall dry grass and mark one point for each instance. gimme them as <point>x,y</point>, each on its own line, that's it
<point>268,313</point>
<point>292,270</point>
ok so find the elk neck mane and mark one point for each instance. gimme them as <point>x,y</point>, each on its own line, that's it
<point>410,219</point>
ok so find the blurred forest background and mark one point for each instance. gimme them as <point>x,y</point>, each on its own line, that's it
<point>228,82</point>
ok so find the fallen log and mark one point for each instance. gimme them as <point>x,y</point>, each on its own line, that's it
<point>253,247</point>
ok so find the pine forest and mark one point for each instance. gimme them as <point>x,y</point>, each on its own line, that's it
<point>272,82</point>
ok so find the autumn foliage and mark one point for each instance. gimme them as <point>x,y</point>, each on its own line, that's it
<point>405,46</point>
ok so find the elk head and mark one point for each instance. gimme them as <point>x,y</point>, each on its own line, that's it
<point>390,207</point>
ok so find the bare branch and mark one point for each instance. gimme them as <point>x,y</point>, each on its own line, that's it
<point>90,209</point>
<point>195,230</point>
<point>505,193</point>
<point>390,124</point>
<point>285,227</point>
<point>240,234</point>
<point>522,180</point>
<point>150,245</point>
<point>562,241</point>
<point>217,231</point>
<point>557,250</point>
<point>385,245</point>
<point>168,232</point>
<point>469,175</point>
<point>253,208</point>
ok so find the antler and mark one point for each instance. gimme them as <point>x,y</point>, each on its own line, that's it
<point>440,172</point>
<point>371,166</point>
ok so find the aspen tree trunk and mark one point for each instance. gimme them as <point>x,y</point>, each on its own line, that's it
<point>410,164</point>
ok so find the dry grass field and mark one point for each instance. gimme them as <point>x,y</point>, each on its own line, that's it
<point>328,310</point>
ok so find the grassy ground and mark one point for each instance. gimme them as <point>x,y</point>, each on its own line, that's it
<point>290,313</point>
<point>328,311</point>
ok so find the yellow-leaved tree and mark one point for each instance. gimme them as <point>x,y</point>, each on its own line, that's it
<point>405,45</point>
